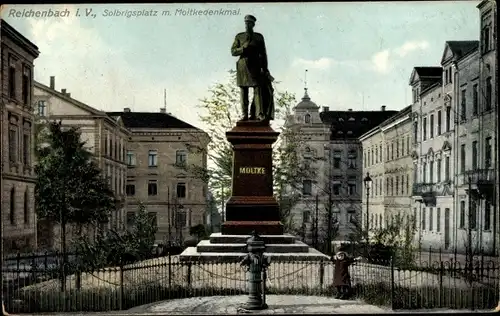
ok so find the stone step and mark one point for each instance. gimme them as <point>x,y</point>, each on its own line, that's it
<point>207,246</point>
<point>218,238</point>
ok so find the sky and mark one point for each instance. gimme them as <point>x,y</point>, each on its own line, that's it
<point>358,55</point>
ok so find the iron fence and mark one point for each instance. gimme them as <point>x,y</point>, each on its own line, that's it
<point>33,283</point>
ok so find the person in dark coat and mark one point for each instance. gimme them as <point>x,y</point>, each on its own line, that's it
<point>341,276</point>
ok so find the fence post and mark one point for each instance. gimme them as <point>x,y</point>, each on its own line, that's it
<point>441,272</point>
<point>122,290</point>
<point>169,269</point>
<point>321,274</point>
<point>392,284</point>
<point>188,277</point>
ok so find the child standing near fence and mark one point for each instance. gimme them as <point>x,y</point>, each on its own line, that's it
<point>341,276</point>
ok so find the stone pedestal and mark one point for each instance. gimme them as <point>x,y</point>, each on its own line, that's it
<point>252,205</point>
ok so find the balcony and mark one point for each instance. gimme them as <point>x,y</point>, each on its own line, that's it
<point>482,180</point>
<point>427,191</point>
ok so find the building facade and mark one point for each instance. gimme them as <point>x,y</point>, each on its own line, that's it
<point>333,150</point>
<point>17,129</point>
<point>161,157</point>
<point>387,160</point>
<point>104,136</point>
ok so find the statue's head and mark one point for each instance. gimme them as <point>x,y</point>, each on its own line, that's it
<point>249,22</point>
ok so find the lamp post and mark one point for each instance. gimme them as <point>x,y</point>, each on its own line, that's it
<point>368,183</point>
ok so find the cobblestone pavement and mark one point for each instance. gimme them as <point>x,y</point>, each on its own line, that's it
<point>278,304</point>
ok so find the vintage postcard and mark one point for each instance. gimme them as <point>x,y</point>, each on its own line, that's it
<point>231,157</point>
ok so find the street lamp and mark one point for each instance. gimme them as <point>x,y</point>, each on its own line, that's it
<point>368,183</point>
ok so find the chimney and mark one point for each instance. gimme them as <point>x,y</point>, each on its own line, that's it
<point>52,82</point>
<point>350,110</point>
<point>68,95</point>
<point>163,110</point>
<point>63,91</point>
<point>326,109</point>
<point>382,108</point>
<point>126,110</point>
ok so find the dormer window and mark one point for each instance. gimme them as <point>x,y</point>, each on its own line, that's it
<point>307,118</point>
<point>341,119</point>
<point>364,119</point>
<point>352,119</point>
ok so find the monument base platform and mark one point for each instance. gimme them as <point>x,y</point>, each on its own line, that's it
<point>247,227</point>
<point>232,248</point>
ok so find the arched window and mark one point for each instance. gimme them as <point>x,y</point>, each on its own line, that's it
<point>307,118</point>
<point>26,207</point>
<point>12,206</point>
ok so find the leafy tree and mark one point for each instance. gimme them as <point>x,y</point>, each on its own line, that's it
<point>70,187</point>
<point>198,231</point>
<point>220,111</point>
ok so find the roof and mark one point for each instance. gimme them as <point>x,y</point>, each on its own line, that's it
<point>353,124</point>
<point>306,102</point>
<point>460,49</point>
<point>153,120</point>
<point>391,119</point>
<point>18,38</point>
<point>426,73</point>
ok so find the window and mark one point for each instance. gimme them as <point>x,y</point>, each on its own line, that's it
<point>402,184</point>
<point>307,187</point>
<point>26,85</point>
<point>26,150</point>
<point>180,158</point>
<point>487,153</point>
<point>26,209</point>
<point>448,118</point>
<point>463,106</point>
<point>352,160</point>
<point>473,214</point>
<point>397,149</point>
<point>352,188</point>
<point>376,154</point>
<point>438,171</point>
<point>431,219</point>
<point>408,144</point>
<point>130,158</point>
<point>439,131</point>
<point>438,219</point>
<point>424,172</point>
<point>431,127</point>
<point>380,153</point>
<point>402,146</point>
<point>387,186</point>
<point>12,82</point>
<point>12,213</point>
<point>152,187</point>
<point>307,118</point>
<point>180,218</point>
<point>42,107</point>
<point>461,223</point>
<point>450,76</point>
<point>106,140</point>
<point>474,155</point>
<point>110,146</point>
<point>489,92</point>
<point>181,190</point>
<point>336,189</point>
<point>447,168</point>
<point>397,185</point>
<point>336,159</point>
<point>415,172</point>
<point>487,215</point>
<point>13,143</point>
<point>306,217</point>
<point>486,39</point>
<point>462,158</point>
<point>153,158</point>
<point>392,186</point>
<point>407,184</point>
<point>424,128</point>
<point>387,153</point>
<point>415,130</point>
<point>392,151</point>
<point>130,189</point>
<point>431,172</point>
<point>475,103</point>
<point>423,217</point>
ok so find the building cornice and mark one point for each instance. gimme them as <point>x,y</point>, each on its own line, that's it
<point>19,39</point>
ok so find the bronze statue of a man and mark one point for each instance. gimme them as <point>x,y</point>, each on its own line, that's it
<point>251,71</point>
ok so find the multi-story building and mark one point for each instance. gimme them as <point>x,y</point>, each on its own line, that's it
<point>162,153</point>
<point>104,136</point>
<point>387,160</point>
<point>489,131</point>
<point>334,151</point>
<point>18,218</point>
